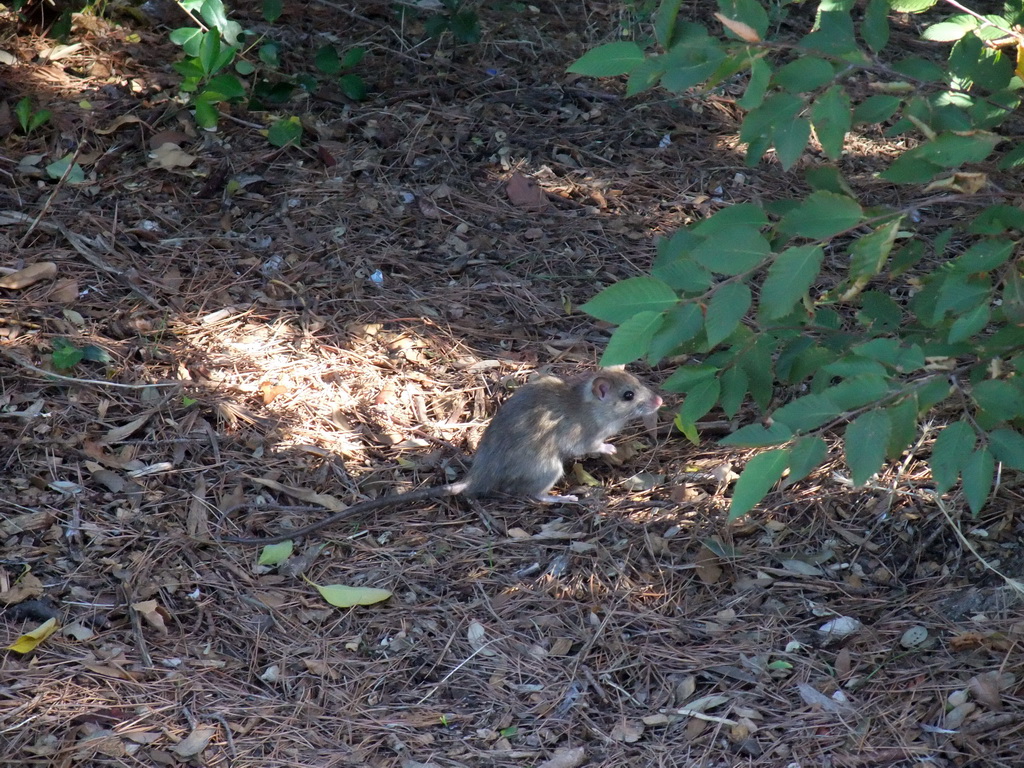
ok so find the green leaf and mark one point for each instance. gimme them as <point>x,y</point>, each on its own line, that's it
<point>353,56</point>
<point>876,109</point>
<point>465,26</point>
<point>949,454</point>
<point>746,215</point>
<point>273,554</point>
<point>700,400</point>
<point>756,436</point>
<point>675,266</point>
<point>933,393</point>
<point>997,219</point>
<point>806,413</point>
<point>865,440</point>
<point>645,75</point>
<point>833,36</point>
<point>286,131</point>
<point>58,168</point>
<point>909,168</point>
<point>759,125</point>
<point>757,363</point>
<point>951,29</point>
<point>804,74</point>
<point>733,252</point>
<point>874,26</point>
<point>272,10</point>
<point>95,354</point>
<point>727,308</point>
<point>619,302</point>
<point>632,338</point>
<point>690,62</point>
<point>761,473</point>
<point>826,178</point>
<point>904,426</point>
<point>984,256</point>
<point>757,85</point>
<point>687,377</point>
<point>789,278</point>
<point>950,150</point>
<point>734,390</point>
<point>341,596</point>
<point>206,113</point>
<point>831,118</point>
<point>879,312</point>
<point>790,139</point>
<point>327,60</point>
<point>682,323</point>
<point>978,473</point>
<point>806,454</point>
<point>911,6</point>
<point>857,391</point>
<point>998,397</point>
<point>223,88</point>
<point>969,324</point>
<point>868,254</point>
<point>65,355</point>
<point>609,60</point>
<point>352,86</point>
<point>189,38</point>
<point>209,52</point>
<point>665,22</point>
<point>1008,447</point>
<point>822,215</point>
<point>1012,159</point>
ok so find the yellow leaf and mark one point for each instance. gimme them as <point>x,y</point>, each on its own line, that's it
<point>31,640</point>
<point>345,597</point>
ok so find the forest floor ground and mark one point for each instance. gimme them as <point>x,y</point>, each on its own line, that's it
<point>290,329</point>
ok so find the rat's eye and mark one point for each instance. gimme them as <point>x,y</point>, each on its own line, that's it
<point>629,394</point>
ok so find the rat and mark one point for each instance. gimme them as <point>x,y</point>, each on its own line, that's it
<point>525,446</point>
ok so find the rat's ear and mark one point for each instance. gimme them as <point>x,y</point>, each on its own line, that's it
<point>600,387</point>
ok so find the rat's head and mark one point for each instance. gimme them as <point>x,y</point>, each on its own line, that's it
<point>619,396</point>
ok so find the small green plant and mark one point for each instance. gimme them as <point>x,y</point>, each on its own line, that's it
<point>462,22</point>
<point>217,58</point>
<point>67,355</point>
<point>28,118</point>
<point>330,63</point>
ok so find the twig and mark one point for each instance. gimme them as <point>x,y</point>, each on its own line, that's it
<point>96,382</point>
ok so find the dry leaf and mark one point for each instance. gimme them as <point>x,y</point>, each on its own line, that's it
<point>743,31</point>
<point>271,391</point>
<point>708,568</point>
<point>303,494</point>
<point>477,636</point>
<point>525,192</point>
<point>160,138</point>
<point>25,588</point>
<point>117,434</point>
<point>64,291</point>
<point>566,758</point>
<point>195,743</point>
<point>119,122</point>
<point>628,731</point>
<point>172,156</point>
<point>151,611</point>
<point>342,596</point>
<point>30,275</point>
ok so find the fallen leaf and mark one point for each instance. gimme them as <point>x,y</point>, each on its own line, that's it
<point>707,566</point>
<point>341,596</point>
<point>170,155</point>
<point>119,122</point>
<point>303,494</point>
<point>117,434</point>
<point>194,743</point>
<point>64,291</point>
<point>628,731</point>
<point>152,612</point>
<point>31,640</point>
<point>565,758</point>
<point>30,275</point>
<point>525,192</point>
<point>273,554</point>
<point>25,588</point>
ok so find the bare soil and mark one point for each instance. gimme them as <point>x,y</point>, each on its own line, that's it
<point>342,319</point>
